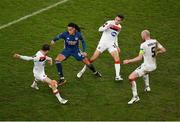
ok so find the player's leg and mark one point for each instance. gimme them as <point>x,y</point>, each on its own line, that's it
<point>79,57</point>
<point>132,78</point>
<point>34,84</point>
<point>96,54</point>
<point>100,48</point>
<point>53,85</point>
<point>92,59</point>
<point>146,82</point>
<point>91,67</point>
<point>61,57</point>
<point>38,76</point>
<point>82,71</point>
<point>114,53</point>
<point>147,70</point>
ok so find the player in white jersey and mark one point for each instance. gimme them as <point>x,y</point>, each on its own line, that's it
<point>148,51</point>
<point>108,41</point>
<point>39,63</point>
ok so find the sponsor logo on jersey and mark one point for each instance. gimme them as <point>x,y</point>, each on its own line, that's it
<point>113,34</point>
<point>72,42</point>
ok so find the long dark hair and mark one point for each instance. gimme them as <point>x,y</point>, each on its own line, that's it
<point>74,26</point>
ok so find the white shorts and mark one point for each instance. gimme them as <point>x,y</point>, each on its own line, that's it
<point>40,76</point>
<point>144,69</point>
<point>105,46</point>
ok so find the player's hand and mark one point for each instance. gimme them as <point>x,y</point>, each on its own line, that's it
<point>52,42</point>
<point>16,55</point>
<point>50,62</point>
<point>126,61</point>
<point>84,54</point>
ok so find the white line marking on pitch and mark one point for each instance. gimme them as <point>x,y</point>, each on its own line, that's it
<point>32,14</point>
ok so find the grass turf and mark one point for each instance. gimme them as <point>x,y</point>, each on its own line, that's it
<point>90,98</point>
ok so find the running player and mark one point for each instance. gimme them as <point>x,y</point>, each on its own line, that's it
<point>39,63</point>
<point>108,41</point>
<point>148,51</point>
<point>71,48</point>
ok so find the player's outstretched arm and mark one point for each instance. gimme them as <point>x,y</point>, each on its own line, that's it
<point>27,58</point>
<point>60,36</point>
<point>52,42</point>
<point>136,59</point>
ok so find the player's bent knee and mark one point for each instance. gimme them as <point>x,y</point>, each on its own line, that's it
<point>57,58</point>
<point>117,61</point>
<point>60,57</point>
<point>131,78</point>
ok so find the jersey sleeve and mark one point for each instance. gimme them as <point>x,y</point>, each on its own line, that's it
<point>26,58</point>
<point>60,36</point>
<point>83,42</point>
<point>142,50</point>
<point>104,27</point>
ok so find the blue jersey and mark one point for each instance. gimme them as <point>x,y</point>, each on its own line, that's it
<point>71,41</point>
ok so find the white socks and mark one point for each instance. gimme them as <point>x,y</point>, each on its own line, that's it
<point>146,80</point>
<point>34,83</point>
<point>84,69</point>
<point>134,88</point>
<point>56,92</point>
<point>117,68</point>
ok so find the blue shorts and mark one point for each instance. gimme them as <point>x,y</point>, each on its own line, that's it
<point>75,53</point>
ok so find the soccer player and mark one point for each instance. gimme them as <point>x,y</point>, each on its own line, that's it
<point>71,48</point>
<point>108,41</point>
<point>148,51</point>
<point>39,63</point>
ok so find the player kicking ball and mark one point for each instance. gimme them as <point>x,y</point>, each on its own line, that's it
<point>148,51</point>
<point>108,41</point>
<point>39,63</point>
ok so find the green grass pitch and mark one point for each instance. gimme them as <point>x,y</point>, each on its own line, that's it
<point>89,98</point>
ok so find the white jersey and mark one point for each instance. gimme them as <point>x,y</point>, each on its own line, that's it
<point>110,35</point>
<point>39,62</point>
<point>148,49</point>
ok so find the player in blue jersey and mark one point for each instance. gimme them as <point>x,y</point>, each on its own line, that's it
<point>71,48</point>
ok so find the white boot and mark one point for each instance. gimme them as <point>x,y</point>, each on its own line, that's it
<point>133,100</point>
<point>79,75</point>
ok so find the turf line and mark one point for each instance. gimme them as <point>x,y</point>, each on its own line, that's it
<point>32,14</point>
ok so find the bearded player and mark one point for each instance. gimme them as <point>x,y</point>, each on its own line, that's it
<point>108,41</point>
<point>39,63</point>
<point>148,51</point>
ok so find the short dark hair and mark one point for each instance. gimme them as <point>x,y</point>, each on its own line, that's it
<point>74,26</point>
<point>45,47</point>
<point>120,16</point>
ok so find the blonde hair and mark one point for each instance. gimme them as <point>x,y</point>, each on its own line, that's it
<point>147,32</point>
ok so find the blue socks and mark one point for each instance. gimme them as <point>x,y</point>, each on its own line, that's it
<point>59,69</point>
